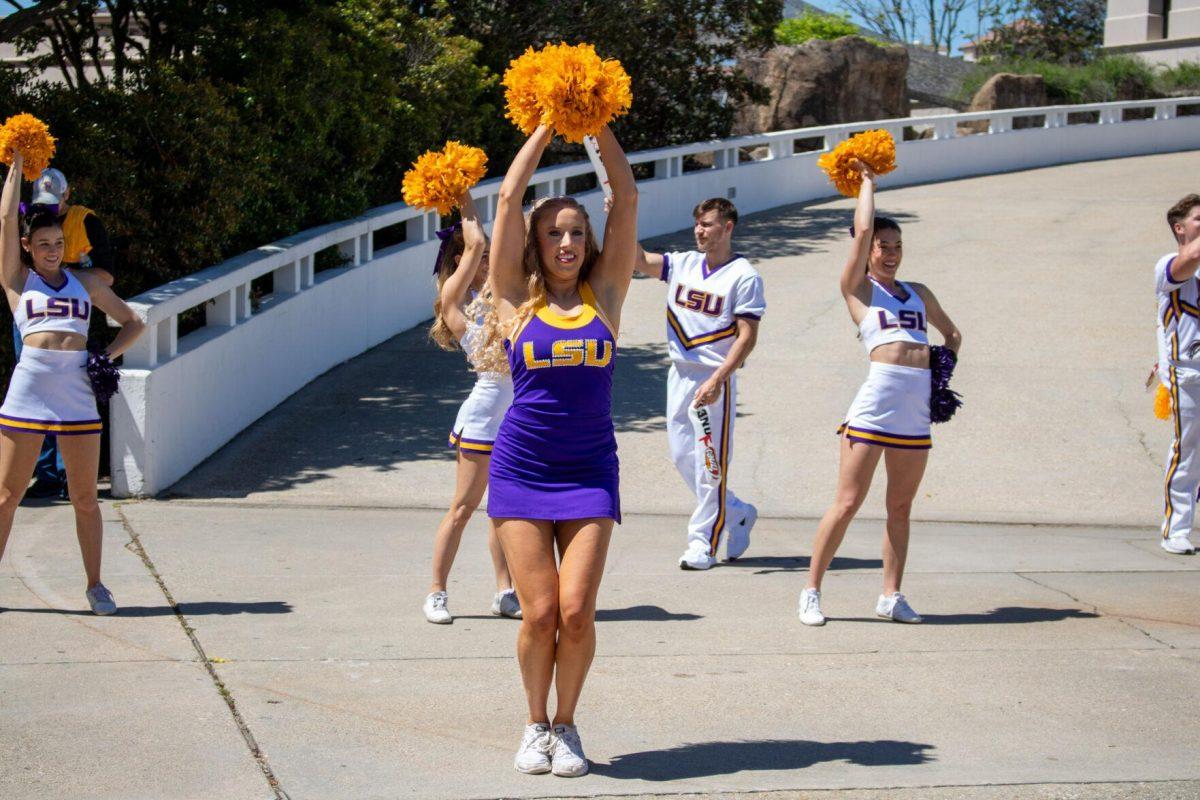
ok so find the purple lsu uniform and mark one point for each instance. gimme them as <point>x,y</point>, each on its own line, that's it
<point>555,456</point>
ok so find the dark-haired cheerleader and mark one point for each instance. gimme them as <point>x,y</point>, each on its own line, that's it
<point>891,414</point>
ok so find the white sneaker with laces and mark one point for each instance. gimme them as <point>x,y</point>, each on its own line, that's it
<point>435,609</point>
<point>567,755</point>
<point>506,604</point>
<point>738,539</point>
<point>896,608</point>
<point>810,607</point>
<point>1179,545</point>
<point>101,600</point>
<point>696,557</point>
<point>533,758</point>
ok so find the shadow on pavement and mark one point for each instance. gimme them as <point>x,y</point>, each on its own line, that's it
<point>217,608</point>
<point>1010,615</point>
<point>642,614</point>
<point>772,564</point>
<point>726,758</point>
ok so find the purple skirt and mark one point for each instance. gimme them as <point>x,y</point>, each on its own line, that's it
<point>554,467</point>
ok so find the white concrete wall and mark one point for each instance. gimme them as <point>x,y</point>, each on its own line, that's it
<point>181,399</point>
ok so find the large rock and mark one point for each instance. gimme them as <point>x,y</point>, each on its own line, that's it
<point>1006,90</point>
<point>824,83</point>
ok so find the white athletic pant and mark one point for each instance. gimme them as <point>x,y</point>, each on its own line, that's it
<point>702,447</point>
<point>1183,460</point>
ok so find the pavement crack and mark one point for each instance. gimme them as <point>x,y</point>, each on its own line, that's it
<point>1139,432</point>
<point>1097,610</point>
<point>135,545</point>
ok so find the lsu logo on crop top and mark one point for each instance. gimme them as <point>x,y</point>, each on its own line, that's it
<point>569,353</point>
<point>59,307</point>
<point>906,320</point>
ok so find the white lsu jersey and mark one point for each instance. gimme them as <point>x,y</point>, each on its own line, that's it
<point>704,304</point>
<point>1178,319</point>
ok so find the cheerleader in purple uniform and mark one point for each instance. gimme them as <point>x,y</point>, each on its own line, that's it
<point>553,478</point>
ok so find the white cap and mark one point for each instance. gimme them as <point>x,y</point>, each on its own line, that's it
<point>49,188</point>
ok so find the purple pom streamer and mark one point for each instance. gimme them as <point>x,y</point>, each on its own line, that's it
<point>447,236</point>
<point>104,376</point>
<point>943,401</point>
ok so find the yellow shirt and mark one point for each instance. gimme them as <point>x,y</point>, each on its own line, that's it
<point>75,235</point>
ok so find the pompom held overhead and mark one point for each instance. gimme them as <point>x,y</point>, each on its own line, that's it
<point>440,177</point>
<point>568,88</point>
<point>31,136</point>
<point>875,148</point>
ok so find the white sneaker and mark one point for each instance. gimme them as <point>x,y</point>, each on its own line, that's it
<point>696,557</point>
<point>738,539</point>
<point>1179,545</point>
<point>567,756</point>
<point>506,604</point>
<point>101,600</point>
<point>435,609</point>
<point>533,758</point>
<point>896,608</point>
<point>810,607</point>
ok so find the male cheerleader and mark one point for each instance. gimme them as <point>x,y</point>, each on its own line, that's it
<point>1179,368</point>
<point>714,303</point>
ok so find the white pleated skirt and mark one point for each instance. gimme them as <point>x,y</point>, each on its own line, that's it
<point>49,392</point>
<point>481,413</point>
<point>891,409</point>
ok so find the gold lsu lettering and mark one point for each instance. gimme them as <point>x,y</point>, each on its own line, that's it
<point>571,353</point>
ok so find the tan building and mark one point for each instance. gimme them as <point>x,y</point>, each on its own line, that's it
<point>1160,31</point>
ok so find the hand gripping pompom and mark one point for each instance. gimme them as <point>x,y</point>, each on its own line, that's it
<point>440,177</point>
<point>31,136</point>
<point>568,88</point>
<point>103,374</point>
<point>876,149</point>
<point>943,401</point>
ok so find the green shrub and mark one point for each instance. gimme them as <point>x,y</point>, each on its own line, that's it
<point>797,30</point>
<point>1183,77</point>
<point>1102,80</point>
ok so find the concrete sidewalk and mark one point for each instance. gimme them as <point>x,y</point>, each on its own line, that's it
<point>1049,656</point>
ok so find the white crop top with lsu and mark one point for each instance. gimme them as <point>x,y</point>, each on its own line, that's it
<point>890,319</point>
<point>43,307</point>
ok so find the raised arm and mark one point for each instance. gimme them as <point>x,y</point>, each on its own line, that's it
<point>938,318</point>
<point>1186,263</point>
<point>104,299</point>
<point>11,271</point>
<point>649,264</point>
<point>454,290</point>
<point>508,233</point>
<point>854,275</point>
<point>614,269</point>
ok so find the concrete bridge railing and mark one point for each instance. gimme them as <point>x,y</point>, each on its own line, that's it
<point>250,345</point>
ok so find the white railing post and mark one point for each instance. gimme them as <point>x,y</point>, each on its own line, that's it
<point>1000,123</point>
<point>286,279</point>
<point>142,355</point>
<point>349,251</point>
<point>307,271</point>
<point>366,246</point>
<point>242,301</point>
<point>221,310</point>
<point>1164,111</point>
<point>166,334</point>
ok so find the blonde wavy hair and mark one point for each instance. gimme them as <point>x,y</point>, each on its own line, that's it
<point>531,262</point>
<point>490,357</point>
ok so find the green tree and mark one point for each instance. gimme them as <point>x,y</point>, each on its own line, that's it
<point>1068,31</point>
<point>797,30</point>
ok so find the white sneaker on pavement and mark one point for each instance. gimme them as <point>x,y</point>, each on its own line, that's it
<point>810,607</point>
<point>435,609</point>
<point>533,757</point>
<point>1179,545</point>
<point>696,557</point>
<point>567,755</point>
<point>738,539</point>
<point>101,600</point>
<point>506,604</point>
<point>896,608</point>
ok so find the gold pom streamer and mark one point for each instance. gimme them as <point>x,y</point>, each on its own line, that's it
<point>440,177</point>
<point>1162,402</point>
<point>876,149</point>
<point>568,88</point>
<point>31,136</point>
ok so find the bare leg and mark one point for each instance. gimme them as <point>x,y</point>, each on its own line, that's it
<point>857,466</point>
<point>471,478</point>
<point>18,457</point>
<point>81,457</point>
<point>499,563</point>
<point>905,468</point>
<point>529,548</point>
<point>584,547</point>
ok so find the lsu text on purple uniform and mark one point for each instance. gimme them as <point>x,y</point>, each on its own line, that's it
<point>555,456</point>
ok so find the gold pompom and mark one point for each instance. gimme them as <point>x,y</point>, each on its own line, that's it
<point>568,88</point>
<point>440,177</point>
<point>31,136</point>
<point>876,149</point>
<point>1162,402</point>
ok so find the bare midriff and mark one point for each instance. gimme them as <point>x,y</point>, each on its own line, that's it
<point>902,354</point>
<point>55,340</point>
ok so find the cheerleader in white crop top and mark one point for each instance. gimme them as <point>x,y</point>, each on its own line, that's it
<point>49,390</point>
<point>889,417</point>
<point>460,312</point>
